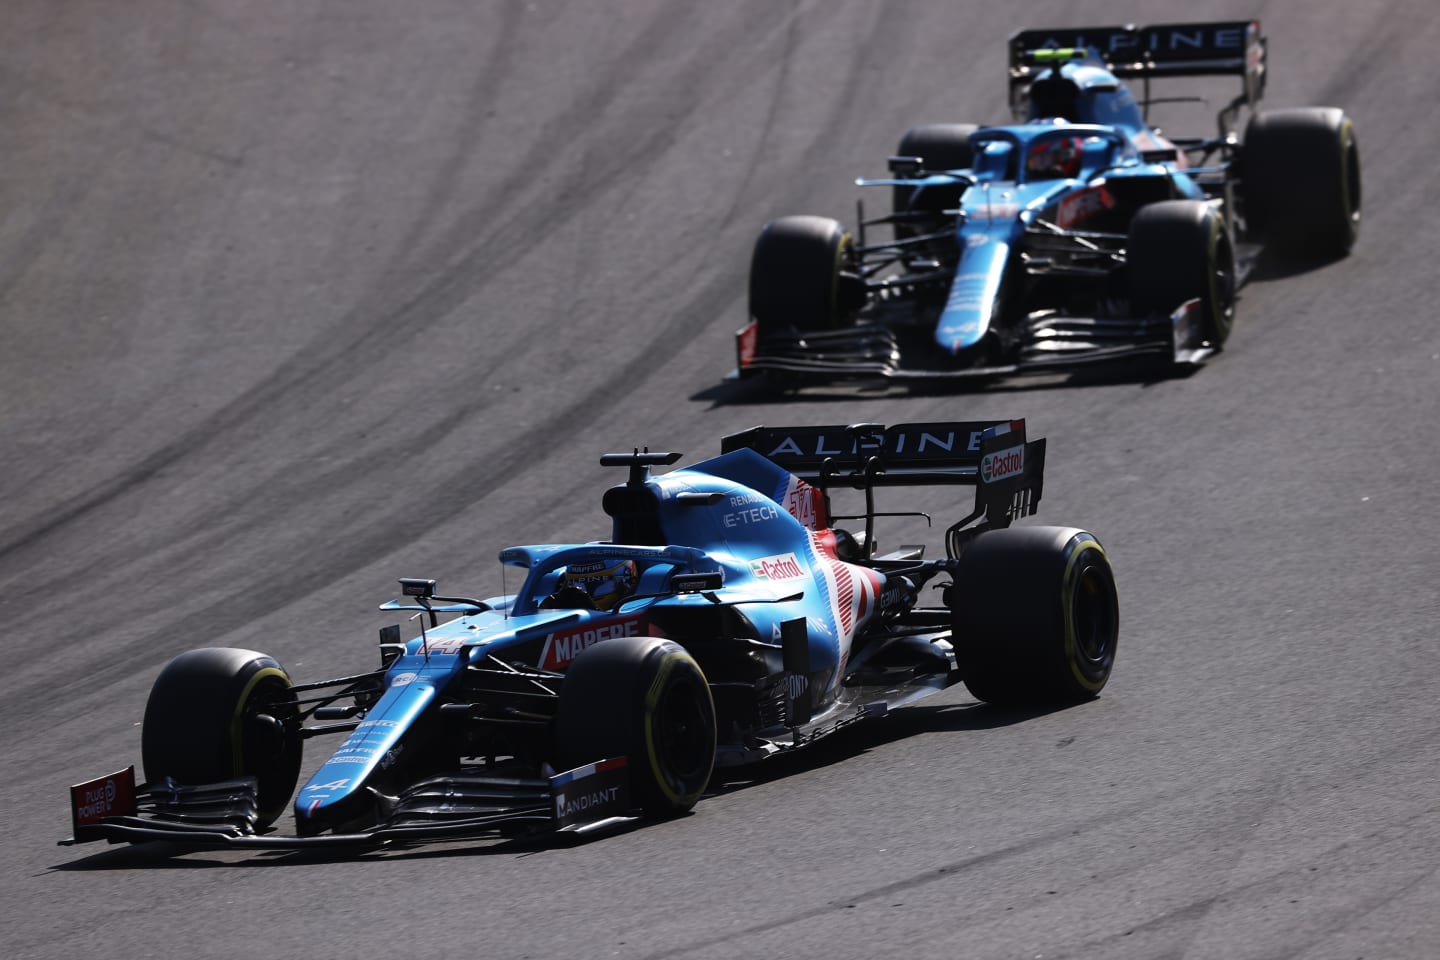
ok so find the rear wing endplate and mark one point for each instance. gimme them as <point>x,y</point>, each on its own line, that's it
<point>1227,47</point>
<point>994,456</point>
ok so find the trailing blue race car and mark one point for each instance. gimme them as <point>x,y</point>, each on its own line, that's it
<point>725,621</point>
<point>1077,234</point>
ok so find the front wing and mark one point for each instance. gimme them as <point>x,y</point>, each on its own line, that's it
<point>458,806</point>
<point>1053,343</point>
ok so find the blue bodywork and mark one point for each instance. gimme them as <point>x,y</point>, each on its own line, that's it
<point>1005,198</point>
<point>733,623</point>
<point>746,509</point>
<point>1006,249</point>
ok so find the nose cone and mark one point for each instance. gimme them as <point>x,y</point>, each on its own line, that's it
<point>336,794</point>
<point>970,308</point>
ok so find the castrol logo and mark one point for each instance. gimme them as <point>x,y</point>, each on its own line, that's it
<point>1002,464</point>
<point>784,566</point>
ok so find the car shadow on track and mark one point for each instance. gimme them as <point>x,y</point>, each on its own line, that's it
<point>863,737</point>
<point>1271,268</point>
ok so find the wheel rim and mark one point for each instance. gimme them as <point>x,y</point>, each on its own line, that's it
<point>1222,289</point>
<point>1352,184</point>
<point>270,751</point>
<point>684,740</point>
<point>1093,616</point>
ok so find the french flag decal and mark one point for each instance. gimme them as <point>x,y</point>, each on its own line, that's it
<point>1000,429</point>
<point>580,773</point>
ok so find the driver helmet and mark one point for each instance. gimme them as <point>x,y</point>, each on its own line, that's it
<point>1054,158</point>
<point>605,582</point>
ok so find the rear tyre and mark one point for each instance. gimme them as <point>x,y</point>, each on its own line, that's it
<point>1036,616</point>
<point>940,146</point>
<point>795,275</point>
<point>646,699</point>
<point>219,713</point>
<point>1300,180</point>
<point>1180,250</point>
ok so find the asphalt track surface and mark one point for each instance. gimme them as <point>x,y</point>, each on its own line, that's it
<point>297,298</point>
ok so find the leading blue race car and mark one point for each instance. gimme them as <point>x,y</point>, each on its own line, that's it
<point>728,619</point>
<point>1078,234</point>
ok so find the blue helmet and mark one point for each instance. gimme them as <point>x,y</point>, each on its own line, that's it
<point>597,584</point>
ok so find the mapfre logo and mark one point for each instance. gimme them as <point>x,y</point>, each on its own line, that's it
<point>1079,207</point>
<point>782,566</point>
<point>564,646</point>
<point>1002,464</point>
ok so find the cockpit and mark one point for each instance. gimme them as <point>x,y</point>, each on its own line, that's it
<point>593,585</point>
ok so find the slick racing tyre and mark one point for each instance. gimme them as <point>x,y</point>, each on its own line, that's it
<point>1300,180</point>
<point>940,146</point>
<point>796,276</point>
<point>219,714</point>
<point>1179,250</point>
<point>645,699</point>
<point>1036,616</point>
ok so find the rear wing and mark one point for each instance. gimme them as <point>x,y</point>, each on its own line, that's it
<point>1228,47</point>
<point>994,456</point>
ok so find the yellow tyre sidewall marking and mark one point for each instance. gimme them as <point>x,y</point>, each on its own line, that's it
<point>237,720</point>
<point>1067,600</point>
<point>1212,282</point>
<point>670,661</point>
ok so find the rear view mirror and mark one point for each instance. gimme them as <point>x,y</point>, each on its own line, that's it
<point>697,582</point>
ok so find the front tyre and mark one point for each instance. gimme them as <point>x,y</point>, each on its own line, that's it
<point>1036,616</point>
<point>646,699</point>
<point>1180,250</point>
<point>796,275</point>
<point>219,713</point>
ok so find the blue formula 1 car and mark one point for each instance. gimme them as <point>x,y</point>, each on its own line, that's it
<point>1075,235</point>
<point>727,620</point>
